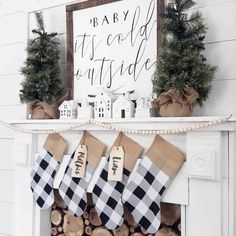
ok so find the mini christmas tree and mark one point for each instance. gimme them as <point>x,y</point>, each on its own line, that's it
<point>181,65</point>
<point>41,69</point>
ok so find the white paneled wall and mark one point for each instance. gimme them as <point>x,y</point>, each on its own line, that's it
<point>6,185</point>
<point>220,18</point>
<point>16,23</point>
<point>13,38</point>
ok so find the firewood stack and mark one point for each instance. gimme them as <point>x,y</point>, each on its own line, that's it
<point>89,224</point>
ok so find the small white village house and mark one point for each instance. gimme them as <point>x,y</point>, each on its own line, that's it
<point>123,107</point>
<point>103,105</point>
<point>143,107</point>
<point>68,110</point>
<point>85,110</point>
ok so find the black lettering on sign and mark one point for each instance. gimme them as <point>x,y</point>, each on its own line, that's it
<point>118,48</point>
<point>80,159</point>
<point>115,161</point>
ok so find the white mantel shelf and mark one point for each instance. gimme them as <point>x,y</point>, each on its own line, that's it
<point>157,123</point>
<point>205,187</point>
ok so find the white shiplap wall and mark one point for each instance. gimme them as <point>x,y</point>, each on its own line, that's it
<point>220,49</point>
<point>220,17</point>
<point>16,21</point>
<point>6,184</point>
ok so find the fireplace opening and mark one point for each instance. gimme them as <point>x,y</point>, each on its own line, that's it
<point>89,224</point>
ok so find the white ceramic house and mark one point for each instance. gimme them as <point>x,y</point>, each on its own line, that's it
<point>85,111</point>
<point>123,107</point>
<point>103,105</point>
<point>68,110</point>
<point>143,108</point>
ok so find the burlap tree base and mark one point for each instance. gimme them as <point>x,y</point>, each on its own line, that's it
<point>42,110</point>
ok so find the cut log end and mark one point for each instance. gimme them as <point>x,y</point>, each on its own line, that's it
<point>88,230</point>
<point>56,217</point>
<point>86,215</point>
<point>58,199</point>
<point>94,218</point>
<point>54,231</point>
<point>129,218</point>
<point>144,231</point>
<point>89,199</point>
<point>166,231</point>
<point>123,230</point>
<point>170,213</point>
<point>86,222</point>
<point>101,231</point>
<point>73,225</point>
<point>136,234</point>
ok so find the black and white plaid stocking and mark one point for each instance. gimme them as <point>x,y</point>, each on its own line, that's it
<point>107,198</point>
<point>42,176</point>
<point>73,190</point>
<point>143,194</point>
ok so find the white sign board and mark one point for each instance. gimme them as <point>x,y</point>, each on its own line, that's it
<point>115,47</point>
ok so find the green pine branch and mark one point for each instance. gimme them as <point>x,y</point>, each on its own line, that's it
<point>181,64</point>
<point>40,22</point>
<point>41,68</point>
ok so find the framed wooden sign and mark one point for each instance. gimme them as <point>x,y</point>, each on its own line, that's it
<point>112,44</point>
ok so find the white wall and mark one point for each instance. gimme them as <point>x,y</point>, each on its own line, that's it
<point>16,21</point>
<point>6,184</point>
<point>220,18</point>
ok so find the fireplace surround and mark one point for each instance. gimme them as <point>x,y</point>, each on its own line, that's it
<point>205,187</point>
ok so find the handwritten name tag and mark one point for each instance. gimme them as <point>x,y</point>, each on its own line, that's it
<point>116,164</point>
<point>79,162</point>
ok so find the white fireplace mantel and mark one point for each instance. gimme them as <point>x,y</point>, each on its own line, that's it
<point>205,186</point>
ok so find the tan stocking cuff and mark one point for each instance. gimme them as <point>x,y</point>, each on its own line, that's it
<point>95,148</point>
<point>166,156</point>
<point>132,150</point>
<point>56,145</point>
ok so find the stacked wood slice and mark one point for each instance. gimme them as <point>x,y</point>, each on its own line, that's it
<point>170,220</point>
<point>89,224</point>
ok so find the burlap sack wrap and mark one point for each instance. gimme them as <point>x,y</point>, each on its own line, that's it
<point>173,103</point>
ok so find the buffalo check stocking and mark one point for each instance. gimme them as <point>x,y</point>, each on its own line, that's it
<point>44,170</point>
<point>107,194</point>
<point>145,188</point>
<point>107,198</point>
<point>73,189</point>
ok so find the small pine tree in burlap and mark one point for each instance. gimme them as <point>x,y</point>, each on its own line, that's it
<point>181,66</point>
<point>41,69</point>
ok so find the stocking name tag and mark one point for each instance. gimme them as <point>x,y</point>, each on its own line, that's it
<point>116,164</point>
<point>79,162</point>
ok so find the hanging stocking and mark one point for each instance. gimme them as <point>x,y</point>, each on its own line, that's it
<point>106,194</point>
<point>74,184</point>
<point>45,169</point>
<point>145,189</point>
